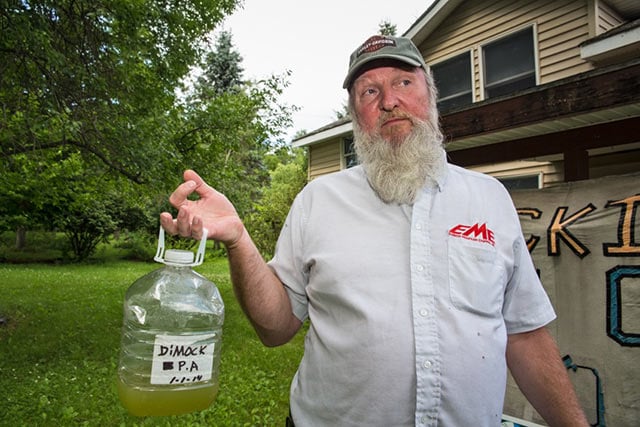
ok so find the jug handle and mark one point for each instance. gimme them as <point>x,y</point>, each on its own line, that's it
<point>199,259</point>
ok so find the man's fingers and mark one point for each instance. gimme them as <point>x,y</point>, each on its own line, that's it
<point>182,226</point>
<point>196,228</point>
<point>191,175</point>
<point>201,187</point>
<point>183,223</point>
<point>168,223</point>
<point>187,223</point>
<point>179,196</point>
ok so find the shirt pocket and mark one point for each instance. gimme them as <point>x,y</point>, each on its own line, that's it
<point>476,277</point>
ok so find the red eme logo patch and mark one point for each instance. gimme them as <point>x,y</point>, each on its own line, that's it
<point>374,43</point>
<point>476,232</point>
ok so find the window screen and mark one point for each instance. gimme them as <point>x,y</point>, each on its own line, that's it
<point>349,153</point>
<point>509,64</point>
<point>453,80</point>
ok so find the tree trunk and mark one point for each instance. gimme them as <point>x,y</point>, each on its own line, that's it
<point>21,238</point>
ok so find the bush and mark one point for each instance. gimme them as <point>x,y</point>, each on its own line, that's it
<point>269,214</point>
<point>137,245</point>
<point>86,226</point>
<point>41,246</point>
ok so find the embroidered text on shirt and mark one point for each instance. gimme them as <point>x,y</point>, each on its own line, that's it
<point>477,232</point>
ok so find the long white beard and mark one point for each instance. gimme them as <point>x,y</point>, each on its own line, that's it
<point>398,171</point>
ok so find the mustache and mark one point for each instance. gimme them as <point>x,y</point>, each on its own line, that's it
<point>386,116</point>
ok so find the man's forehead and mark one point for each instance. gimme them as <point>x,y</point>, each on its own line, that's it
<point>385,64</point>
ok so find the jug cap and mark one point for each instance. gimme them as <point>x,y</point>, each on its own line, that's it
<point>178,256</point>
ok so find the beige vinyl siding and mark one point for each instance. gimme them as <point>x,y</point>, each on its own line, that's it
<point>607,18</point>
<point>554,175</point>
<point>477,90</point>
<point>559,37</point>
<point>602,164</point>
<point>552,172</point>
<point>560,27</point>
<point>324,158</point>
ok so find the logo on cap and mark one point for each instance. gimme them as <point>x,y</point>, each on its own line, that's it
<point>375,43</point>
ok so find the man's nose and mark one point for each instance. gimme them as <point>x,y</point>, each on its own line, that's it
<point>389,100</point>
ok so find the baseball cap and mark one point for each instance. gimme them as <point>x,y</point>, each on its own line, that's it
<point>383,47</point>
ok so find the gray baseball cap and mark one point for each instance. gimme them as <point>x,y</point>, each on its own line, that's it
<point>382,47</point>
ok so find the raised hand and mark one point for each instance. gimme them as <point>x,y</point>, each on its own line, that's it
<point>212,210</point>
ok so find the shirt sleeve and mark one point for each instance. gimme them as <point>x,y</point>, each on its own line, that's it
<point>527,306</point>
<point>288,262</point>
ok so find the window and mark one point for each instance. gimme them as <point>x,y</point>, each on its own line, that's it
<point>453,80</point>
<point>509,64</point>
<point>521,182</point>
<point>349,153</point>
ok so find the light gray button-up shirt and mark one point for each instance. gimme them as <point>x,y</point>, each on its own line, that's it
<point>409,306</point>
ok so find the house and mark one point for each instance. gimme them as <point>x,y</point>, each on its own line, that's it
<point>545,96</point>
<point>533,92</point>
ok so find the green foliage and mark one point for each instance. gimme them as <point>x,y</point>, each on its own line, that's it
<point>222,69</point>
<point>231,125</point>
<point>287,179</point>
<point>56,191</point>
<point>386,28</point>
<point>41,246</point>
<point>343,111</point>
<point>93,75</point>
<point>92,133</point>
<point>87,225</point>
<point>60,347</point>
<point>34,184</point>
<point>137,246</point>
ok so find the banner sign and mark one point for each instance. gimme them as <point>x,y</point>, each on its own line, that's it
<point>584,238</point>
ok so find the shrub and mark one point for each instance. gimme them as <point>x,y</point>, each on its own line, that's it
<point>87,225</point>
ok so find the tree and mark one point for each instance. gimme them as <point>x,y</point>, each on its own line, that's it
<point>222,69</point>
<point>92,74</point>
<point>288,177</point>
<point>386,28</point>
<point>93,81</point>
<point>232,124</point>
<point>55,190</point>
<point>91,87</point>
<point>342,112</point>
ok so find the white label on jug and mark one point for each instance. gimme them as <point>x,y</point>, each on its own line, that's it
<point>182,359</point>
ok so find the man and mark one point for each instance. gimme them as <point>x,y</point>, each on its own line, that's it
<point>414,273</point>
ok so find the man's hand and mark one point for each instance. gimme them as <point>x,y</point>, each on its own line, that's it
<point>212,211</point>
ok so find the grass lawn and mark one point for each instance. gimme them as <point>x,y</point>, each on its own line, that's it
<point>59,351</point>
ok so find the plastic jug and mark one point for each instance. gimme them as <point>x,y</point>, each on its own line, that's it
<point>171,337</point>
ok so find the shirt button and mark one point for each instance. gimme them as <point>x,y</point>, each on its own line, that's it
<point>424,312</point>
<point>419,267</point>
<point>424,419</point>
<point>426,364</point>
<point>418,226</point>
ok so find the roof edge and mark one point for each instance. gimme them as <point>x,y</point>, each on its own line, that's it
<point>323,134</point>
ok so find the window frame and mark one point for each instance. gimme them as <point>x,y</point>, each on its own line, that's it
<point>468,52</point>
<point>507,179</point>
<point>482,62</point>
<point>347,157</point>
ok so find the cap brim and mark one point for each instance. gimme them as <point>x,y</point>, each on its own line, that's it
<point>357,68</point>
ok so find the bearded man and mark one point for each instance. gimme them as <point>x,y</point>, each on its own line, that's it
<point>413,273</point>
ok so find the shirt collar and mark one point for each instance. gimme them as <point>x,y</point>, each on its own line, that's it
<point>439,173</point>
